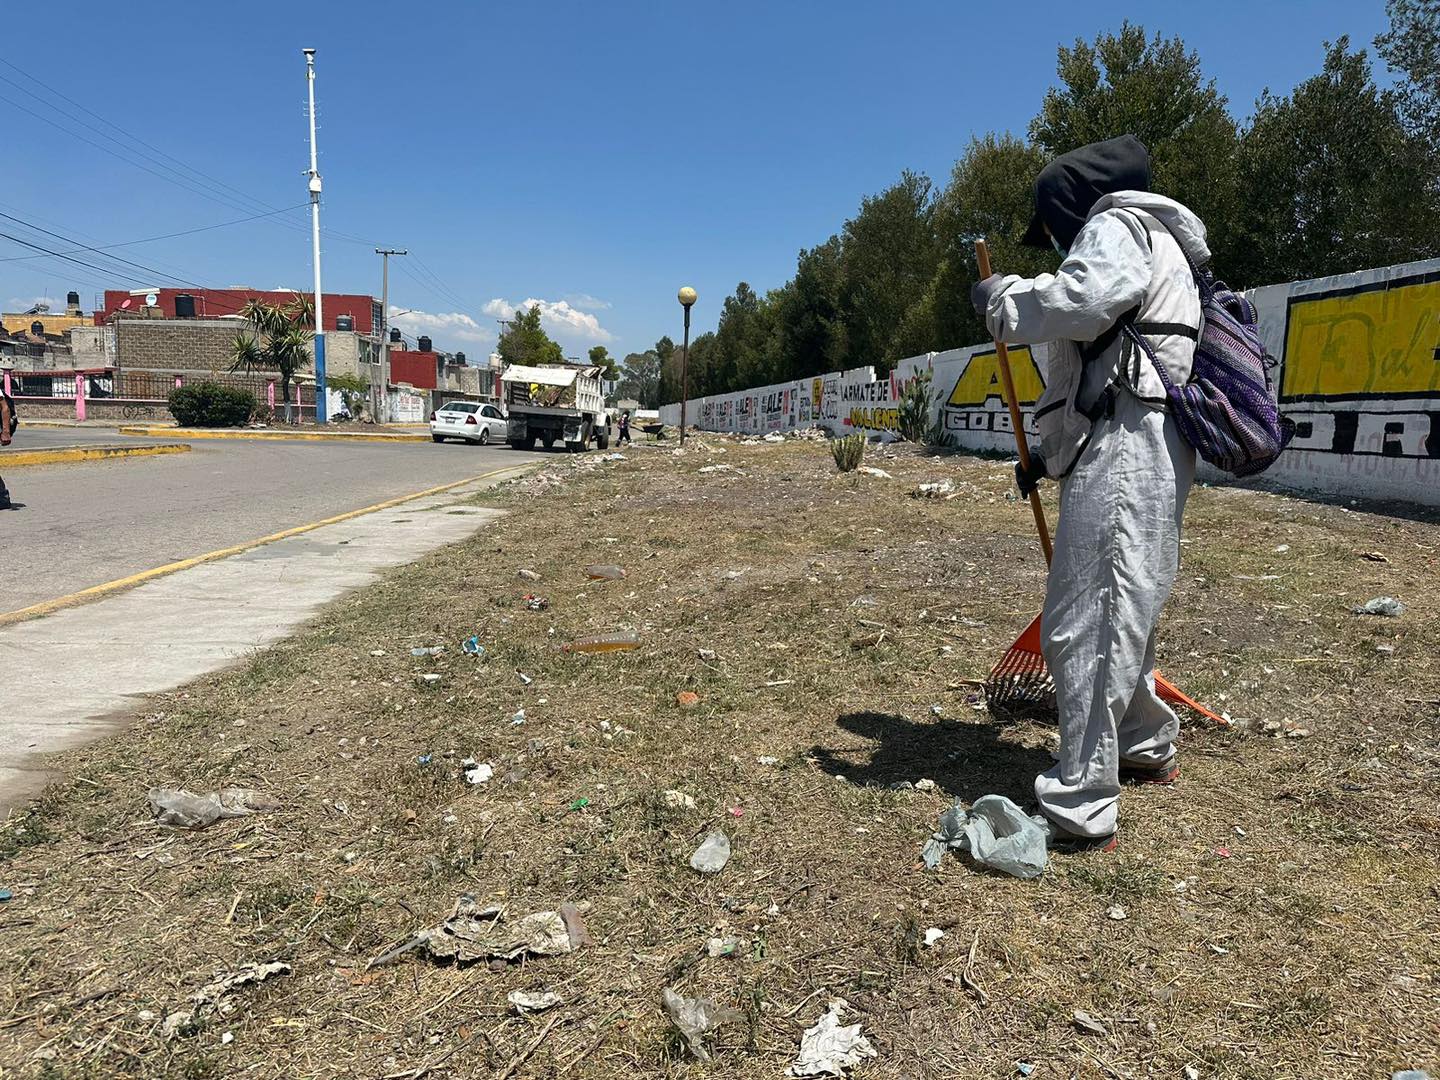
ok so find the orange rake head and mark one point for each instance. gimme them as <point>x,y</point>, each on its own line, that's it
<point>1021,682</point>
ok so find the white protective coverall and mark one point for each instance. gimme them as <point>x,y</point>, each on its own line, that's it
<point>1124,478</point>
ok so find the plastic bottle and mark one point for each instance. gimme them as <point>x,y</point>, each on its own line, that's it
<point>603,643</point>
<point>604,572</point>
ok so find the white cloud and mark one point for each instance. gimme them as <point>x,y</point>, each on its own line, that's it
<point>586,302</point>
<point>25,303</point>
<point>558,317</point>
<point>445,326</point>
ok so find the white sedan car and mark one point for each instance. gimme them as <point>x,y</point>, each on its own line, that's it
<point>468,420</point>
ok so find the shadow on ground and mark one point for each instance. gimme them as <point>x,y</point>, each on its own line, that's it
<point>966,760</point>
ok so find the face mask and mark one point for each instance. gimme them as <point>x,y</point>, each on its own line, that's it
<point>1064,252</point>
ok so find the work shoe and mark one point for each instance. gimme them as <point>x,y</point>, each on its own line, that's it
<point>1072,843</point>
<point>1165,773</point>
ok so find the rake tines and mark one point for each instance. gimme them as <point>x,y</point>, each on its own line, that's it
<point>1021,682</point>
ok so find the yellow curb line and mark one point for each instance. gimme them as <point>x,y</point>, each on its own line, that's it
<point>10,458</point>
<point>46,607</point>
<point>245,433</point>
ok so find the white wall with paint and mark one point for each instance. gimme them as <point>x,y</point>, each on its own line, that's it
<point>1358,372</point>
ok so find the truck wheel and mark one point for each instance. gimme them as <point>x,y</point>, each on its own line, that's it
<point>547,440</point>
<point>602,441</point>
<point>575,447</point>
<point>527,443</point>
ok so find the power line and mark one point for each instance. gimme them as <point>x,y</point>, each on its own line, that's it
<point>58,255</point>
<point>170,236</point>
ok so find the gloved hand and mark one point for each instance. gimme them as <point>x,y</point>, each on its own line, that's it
<point>981,293</point>
<point>1029,479</point>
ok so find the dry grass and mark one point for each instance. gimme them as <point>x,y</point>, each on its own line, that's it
<point>1311,950</point>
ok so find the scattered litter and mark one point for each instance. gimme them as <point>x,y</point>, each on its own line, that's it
<point>736,811</point>
<point>525,680</point>
<point>527,575</point>
<point>678,800</point>
<point>576,805</point>
<point>925,784</point>
<point>1381,605</point>
<point>933,935</point>
<point>694,1018</point>
<point>1385,650</point>
<point>1290,729</point>
<point>870,470</point>
<point>1116,913</point>
<point>525,1002</point>
<point>518,718</point>
<point>1024,1068</point>
<point>712,855</point>
<point>766,759</point>
<point>534,603</point>
<point>182,810</point>
<point>472,932</point>
<point>1219,950</point>
<point>940,489</point>
<point>995,832</point>
<point>472,645</point>
<point>867,641</point>
<point>728,946</point>
<point>429,678</point>
<point>936,710</point>
<point>706,470</point>
<point>1374,556</point>
<point>477,772</point>
<point>707,655</point>
<point>774,437</point>
<point>604,572</point>
<point>604,643</point>
<point>214,996</point>
<point>829,1048</point>
<point>1223,852</point>
<point>6,894</point>
<point>687,699</point>
<point>1191,1073</point>
<point>864,601</point>
<point>1410,1074</point>
<point>423,759</point>
<point>429,650</point>
<point>1088,1024</point>
<point>228,1037</point>
<point>612,457</point>
<point>377,652</point>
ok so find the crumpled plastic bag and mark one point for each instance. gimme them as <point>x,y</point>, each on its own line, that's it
<point>996,833</point>
<point>215,996</point>
<point>183,810</point>
<point>694,1018</point>
<point>830,1047</point>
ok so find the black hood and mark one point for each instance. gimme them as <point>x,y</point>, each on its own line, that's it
<point>1071,184</point>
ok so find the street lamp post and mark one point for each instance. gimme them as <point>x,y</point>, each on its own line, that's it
<point>687,298</point>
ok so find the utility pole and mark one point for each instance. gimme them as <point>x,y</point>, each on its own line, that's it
<point>381,398</point>
<point>314,187</point>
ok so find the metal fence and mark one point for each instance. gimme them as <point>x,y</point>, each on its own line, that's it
<point>142,394</point>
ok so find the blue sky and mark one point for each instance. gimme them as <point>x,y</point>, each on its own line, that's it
<point>591,156</point>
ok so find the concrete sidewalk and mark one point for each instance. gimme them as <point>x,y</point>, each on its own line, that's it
<point>78,674</point>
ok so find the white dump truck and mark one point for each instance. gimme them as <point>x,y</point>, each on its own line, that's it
<point>555,403</point>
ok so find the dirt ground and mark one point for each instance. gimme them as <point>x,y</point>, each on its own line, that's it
<point>1274,915</point>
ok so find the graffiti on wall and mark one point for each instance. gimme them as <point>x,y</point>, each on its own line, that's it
<point>1360,365</point>
<point>976,401</point>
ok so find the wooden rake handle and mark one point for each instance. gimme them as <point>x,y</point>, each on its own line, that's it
<point>982,256</point>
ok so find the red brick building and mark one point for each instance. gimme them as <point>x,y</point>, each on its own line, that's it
<point>364,311</point>
<point>418,369</point>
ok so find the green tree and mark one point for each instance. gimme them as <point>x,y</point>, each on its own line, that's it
<point>990,196</point>
<point>279,341</point>
<point>1412,47</point>
<point>600,357</point>
<point>1333,180</point>
<point>526,342</point>
<point>889,256</point>
<point>1128,84</point>
<point>811,333</point>
<point>640,379</point>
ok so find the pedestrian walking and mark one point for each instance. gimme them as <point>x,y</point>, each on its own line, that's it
<point>1123,466</point>
<point>624,428</point>
<point>9,421</point>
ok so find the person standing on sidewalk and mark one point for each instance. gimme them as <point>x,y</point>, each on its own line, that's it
<point>9,421</point>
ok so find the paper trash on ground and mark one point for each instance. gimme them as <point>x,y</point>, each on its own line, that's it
<point>830,1047</point>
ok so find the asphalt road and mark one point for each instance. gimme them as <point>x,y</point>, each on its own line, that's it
<point>86,523</point>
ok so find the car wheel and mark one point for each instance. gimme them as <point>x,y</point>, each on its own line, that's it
<point>484,436</point>
<point>437,438</point>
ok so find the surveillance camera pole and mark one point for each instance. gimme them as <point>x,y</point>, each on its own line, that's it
<point>314,187</point>
<point>381,397</point>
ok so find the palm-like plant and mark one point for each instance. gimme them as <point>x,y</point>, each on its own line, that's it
<point>279,342</point>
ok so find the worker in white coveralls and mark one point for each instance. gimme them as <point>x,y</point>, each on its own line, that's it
<point>1123,467</point>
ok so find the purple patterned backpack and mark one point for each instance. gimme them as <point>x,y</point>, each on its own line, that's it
<point>1226,411</point>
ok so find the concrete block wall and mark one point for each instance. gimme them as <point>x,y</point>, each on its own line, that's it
<point>196,344</point>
